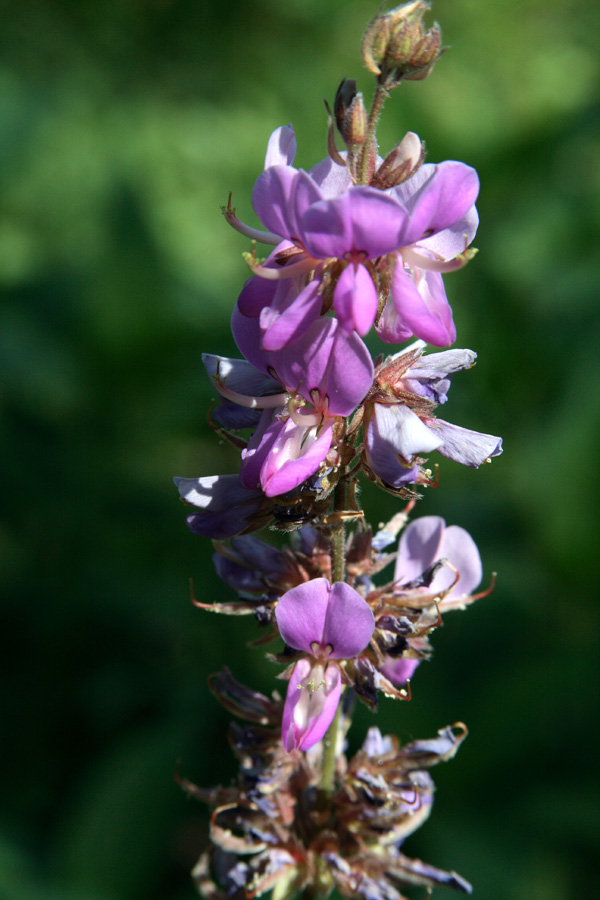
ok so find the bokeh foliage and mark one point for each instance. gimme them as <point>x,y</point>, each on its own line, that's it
<point>124,124</point>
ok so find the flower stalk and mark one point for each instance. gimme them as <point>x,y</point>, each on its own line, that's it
<point>359,243</point>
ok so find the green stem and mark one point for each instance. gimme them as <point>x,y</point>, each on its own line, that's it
<point>329,748</point>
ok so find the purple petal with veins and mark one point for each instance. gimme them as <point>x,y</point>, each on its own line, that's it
<point>331,179</point>
<point>327,621</point>
<point>280,196</point>
<point>437,197</point>
<point>403,430</point>
<point>349,623</point>
<point>301,614</point>
<point>363,221</point>
<point>453,240</point>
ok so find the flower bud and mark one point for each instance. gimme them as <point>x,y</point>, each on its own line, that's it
<point>350,114</point>
<point>395,45</point>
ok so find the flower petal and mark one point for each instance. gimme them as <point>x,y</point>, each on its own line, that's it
<point>398,671</point>
<point>325,364</point>
<point>295,455</point>
<point>361,221</point>
<point>301,613</point>
<point>459,548</point>
<point>281,148</point>
<point>419,547</point>
<point>349,623</point>
<point>420,301</point>
<point>274,199</point>
<point>470,448</point>
<point>224,504</point>
<point>355,300</point>
<point>307,714</point>
<point>290,315</point>
<point>437,197</point>
<point>403,431</point>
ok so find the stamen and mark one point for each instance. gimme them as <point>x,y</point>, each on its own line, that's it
<point>299,268</point>
<point>414,259</point>
<point>270,401</point>
<point>255,234</point>
<point>302,419</point>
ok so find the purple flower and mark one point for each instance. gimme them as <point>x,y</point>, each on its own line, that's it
<point>324,368</point>
<point>406,236</point>
<point>327,622</point>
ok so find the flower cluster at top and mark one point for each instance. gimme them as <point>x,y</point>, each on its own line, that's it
<point>360,244</point>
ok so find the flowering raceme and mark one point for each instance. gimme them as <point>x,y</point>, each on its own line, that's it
<point>359,242</point>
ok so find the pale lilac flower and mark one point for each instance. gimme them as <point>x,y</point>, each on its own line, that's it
<point>427,540</point>
<point>399,422</point>
<point>326,622</point>
<point>224,506</point>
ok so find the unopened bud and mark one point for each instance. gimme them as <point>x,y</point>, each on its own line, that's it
<point>374,43</point>
<point>395,45</point>
<point>426,54</point>
<point>350,114</point>
<point>401,163</point>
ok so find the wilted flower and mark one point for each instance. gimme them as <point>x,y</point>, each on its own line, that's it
<point>271,830</point>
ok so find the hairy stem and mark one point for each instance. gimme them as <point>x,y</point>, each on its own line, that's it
<point>338,535</point>
<point>338,573</point>
<point>379,99</point>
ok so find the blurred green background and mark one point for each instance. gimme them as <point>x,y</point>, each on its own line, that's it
<point>124,125</point>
